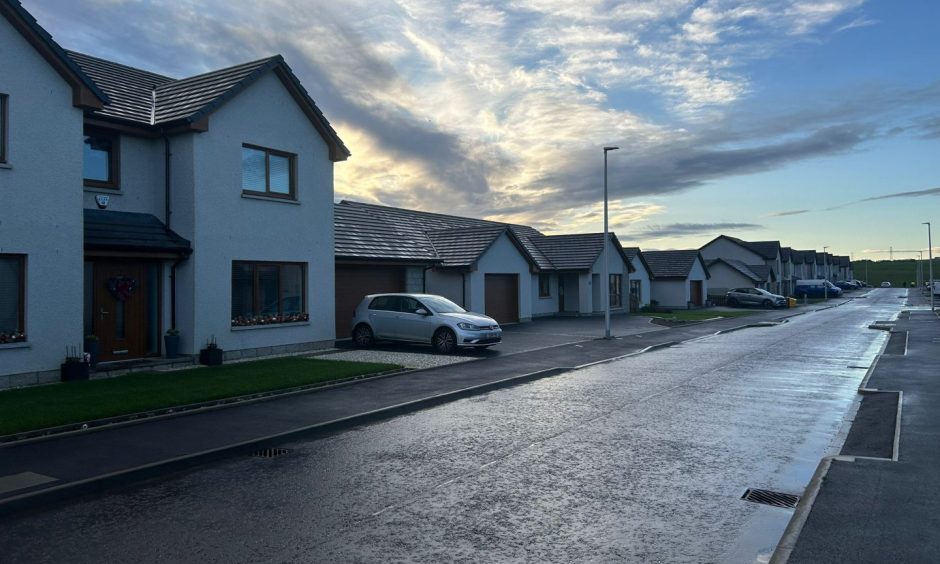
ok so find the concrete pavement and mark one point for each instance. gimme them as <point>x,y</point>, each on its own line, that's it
<point>879,500</point>
<point>40,471</point>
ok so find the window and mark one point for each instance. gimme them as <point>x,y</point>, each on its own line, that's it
<point>267,172</point>
<point>12,318</point>
<point>4,101</point>
<point>265,293</point>
<point>545,285</point>
<point>615,292</point>
<point>100,158</point>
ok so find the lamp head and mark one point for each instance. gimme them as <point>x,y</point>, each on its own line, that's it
<point>610,149</point>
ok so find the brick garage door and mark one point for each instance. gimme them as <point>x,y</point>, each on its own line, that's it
<point>355,282</point>
<point>502,297</point>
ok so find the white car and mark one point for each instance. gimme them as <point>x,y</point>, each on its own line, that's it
<point>422,318</point>
<point>886,284</point>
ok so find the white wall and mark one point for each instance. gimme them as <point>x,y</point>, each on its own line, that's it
<point>723,248</point>
<point>643,276</point>
<point>141,174</point>
<point>501,258</point>
<point>41,215</point>
<point>616,265</point>
<point>446,283</point>
<point>547,305</point>
<point>724,278</point>
<point>226,226</point>
<point>671,293</point>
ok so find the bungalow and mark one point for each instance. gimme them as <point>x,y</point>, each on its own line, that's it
<point>510,272</point>
<point>680,278</point>
<point>218,233</point>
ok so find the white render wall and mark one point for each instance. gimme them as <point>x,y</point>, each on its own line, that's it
<point>643,276</point>
<point>616,265</point>
<point>676,293</point>
<point>548,305</point>
<point>225,226</point>
<point>501,258</point>
<point>724,278</point>
<point>447,283</point>
<point>41,216</point>
<point>723,248</point>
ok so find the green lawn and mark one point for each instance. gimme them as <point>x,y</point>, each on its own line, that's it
<point>38,407</point>
<point>899,272</point>
<point>695,314</point>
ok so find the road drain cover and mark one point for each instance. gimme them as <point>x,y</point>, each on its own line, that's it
<point>767,497</point>
<point>270,452</point>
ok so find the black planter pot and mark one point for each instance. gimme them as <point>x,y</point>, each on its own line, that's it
<point>93,348</point>
<point>210,357</point>
<point>171,346</point>
<point>74,371</point>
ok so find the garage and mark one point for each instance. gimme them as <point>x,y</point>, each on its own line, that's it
<point>502,297</point>
<point>353,282</point>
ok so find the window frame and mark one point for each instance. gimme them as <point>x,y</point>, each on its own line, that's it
<point>18,335</point>
<point>4,127</point>
<point>292,173</point>
<point>610,290</point>
<point>114,164</point>
<point>258,318</point>
<point>548,285</point>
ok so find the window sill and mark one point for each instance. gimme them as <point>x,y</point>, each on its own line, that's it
<point>100,190</point>
<point>20,345</point>
<point>545,297</point>
<point>6,165</point>
<point>269,199</point>
<point>270,326</point>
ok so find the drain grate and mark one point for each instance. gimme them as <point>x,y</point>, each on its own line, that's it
<point>768,497</point>
<point>270,452</point>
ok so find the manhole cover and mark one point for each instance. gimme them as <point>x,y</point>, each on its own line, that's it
<point>768,497</point>
<point>270,452</point>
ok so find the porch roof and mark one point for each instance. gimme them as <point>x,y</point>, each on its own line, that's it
<point>131,232</point>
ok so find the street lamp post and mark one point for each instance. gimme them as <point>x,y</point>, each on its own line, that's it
<point>929,264</point>
<point>826,274</point>
<point>606,279</point>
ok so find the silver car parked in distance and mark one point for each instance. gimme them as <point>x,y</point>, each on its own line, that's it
<point>754,296</point>
<point>422,318</point>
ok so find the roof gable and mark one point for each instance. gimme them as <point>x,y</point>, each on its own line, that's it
<point>674,264</point>
<point>85,93</point>
<point>158,102</point>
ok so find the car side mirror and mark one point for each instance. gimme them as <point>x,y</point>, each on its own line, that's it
<point>422,311</point>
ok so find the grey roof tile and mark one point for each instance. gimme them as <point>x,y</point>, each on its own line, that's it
<point>130,90</point>
<point>130,231</point>
<point>461,247</point>
<point>672,264</point>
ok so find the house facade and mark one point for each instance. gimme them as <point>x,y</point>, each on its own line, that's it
<point>680,278</point>
<point>200,205</point>
<point>640,289</point>
<point>728,274</point>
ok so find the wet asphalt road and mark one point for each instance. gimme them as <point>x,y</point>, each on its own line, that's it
<point>642,459</point>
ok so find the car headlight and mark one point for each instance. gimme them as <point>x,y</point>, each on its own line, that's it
<point>469,327</point>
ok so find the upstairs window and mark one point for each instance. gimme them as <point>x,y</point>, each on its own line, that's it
<point>4,100</point>
<point>100,157</point>
<point>267,172</point>
<point>12,306</point>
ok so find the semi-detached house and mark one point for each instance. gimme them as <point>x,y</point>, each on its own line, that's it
<point>136,203</point>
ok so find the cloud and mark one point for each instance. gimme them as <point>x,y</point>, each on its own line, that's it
<point>908,194</point>
<point>786,213</point>
<point>687,229</point>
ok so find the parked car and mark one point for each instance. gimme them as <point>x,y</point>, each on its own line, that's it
<point>754,296</point>
<point>886,284</point>
<point>816,289</point>
<point>847,285</point>
<point>422,318</point>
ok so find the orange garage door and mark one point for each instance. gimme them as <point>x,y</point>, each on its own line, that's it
<point>502,297</point>
<point>355,282</point>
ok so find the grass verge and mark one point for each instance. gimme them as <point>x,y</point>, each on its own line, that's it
<point>695,314</point>
<point>27,409</point>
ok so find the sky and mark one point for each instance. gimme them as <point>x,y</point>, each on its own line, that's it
<point>815,123</point>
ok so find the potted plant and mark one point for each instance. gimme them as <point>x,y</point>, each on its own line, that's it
<point>93,348</point>
<point>212,354</point>
<point>171,342</point>
<point>75,366</point>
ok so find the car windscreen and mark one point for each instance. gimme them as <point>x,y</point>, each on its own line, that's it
<point>442,305</point>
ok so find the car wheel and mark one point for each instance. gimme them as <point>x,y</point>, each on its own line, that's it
<point>767,304</point>
<point>732,302</point>
<point>362,336</point>
<point>444,341</point>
